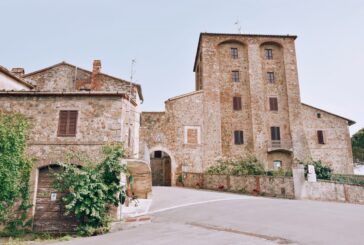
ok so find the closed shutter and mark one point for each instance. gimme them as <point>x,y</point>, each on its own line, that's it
<point>237,103</point>
<point>62,125</point>
<point>67,125</point>
<point>320,137</point>
<point>273,104</point>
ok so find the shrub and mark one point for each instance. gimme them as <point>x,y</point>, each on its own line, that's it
<point>15,169</point>
<point>248,165</point>
<point>91,190</point>
<point>322,170</point>
<point>348,179</point>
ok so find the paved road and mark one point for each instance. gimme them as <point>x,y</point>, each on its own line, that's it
<point>186,216</point>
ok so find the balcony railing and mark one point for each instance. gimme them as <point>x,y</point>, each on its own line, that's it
<point>279,145</point>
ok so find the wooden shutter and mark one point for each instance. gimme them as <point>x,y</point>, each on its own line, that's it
<point>320,137</point>
<point>237,103</point>
<point>62,124</point>
<point>67,125</point>
<point>273,104</point>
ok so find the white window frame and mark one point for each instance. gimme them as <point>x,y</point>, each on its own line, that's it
<point>274,164</point>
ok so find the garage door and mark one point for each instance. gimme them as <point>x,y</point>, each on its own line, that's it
<point>49,210</point>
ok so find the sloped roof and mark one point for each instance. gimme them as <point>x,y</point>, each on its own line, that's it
<point>13,76</point>
<point>139,88</point>
<point>350,122</point>
<point>64,94</point>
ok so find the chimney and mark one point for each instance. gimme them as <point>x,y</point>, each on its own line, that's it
<point>95,79</point>
<point>19,72</point>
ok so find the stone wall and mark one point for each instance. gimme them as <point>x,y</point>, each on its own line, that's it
<point>100,122</point>
<point>211,109</point>
<point>68,78</point>
<point>275,186</point>
<point>166,131</point>
<point>337,150</point>
<point>331,191</point>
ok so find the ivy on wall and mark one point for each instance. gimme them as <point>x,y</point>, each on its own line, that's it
<point>15,169</point>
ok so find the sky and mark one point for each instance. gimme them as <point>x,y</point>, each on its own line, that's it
<point>162,36</point>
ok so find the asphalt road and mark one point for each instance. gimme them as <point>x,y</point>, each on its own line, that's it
<point>186,216</point>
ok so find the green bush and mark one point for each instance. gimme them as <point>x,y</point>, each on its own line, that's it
<point>357,141</point>
<point>348,179</point>
<point>243,166</point>
<point>91,190</point>
<point>15,169</point>
<point>322,170</point>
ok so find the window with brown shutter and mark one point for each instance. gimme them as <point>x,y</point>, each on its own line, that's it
<point>238,137</point>
<point>67,124</point>
<point>320,137</point>
<point>273,104</point>
<point>237,103</point>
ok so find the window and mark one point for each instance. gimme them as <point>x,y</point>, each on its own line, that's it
<point>275,133</point>
<point>238,137</point>
<point>192,135</point>
<point>273,104</point>
<point>234,53</point>
<point>269,54</point>
<point>318,115</point>
<point>320,137</point>
<point>67,124</point>
<point>270,77</point>
<point>237,103</point>
<point>158,154</point>
<point>235,76</point>
<point>277,164</point>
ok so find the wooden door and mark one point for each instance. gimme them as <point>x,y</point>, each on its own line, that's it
<point>167,171</point>
<point>49,210</point>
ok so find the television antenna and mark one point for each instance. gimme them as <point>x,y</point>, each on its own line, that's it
<point>238,25</point>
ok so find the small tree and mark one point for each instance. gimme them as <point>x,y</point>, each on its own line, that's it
<point>91,190</point>
<point>15,170</point>
<point>357,141</point>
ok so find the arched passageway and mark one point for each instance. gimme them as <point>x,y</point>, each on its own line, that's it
<point>160,163</point>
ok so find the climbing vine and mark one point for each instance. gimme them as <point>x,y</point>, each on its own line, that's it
<point>91,190</point>
<point>15,169</point>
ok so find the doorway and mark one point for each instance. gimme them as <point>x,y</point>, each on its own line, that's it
<point>49,210</point>
<point>160,163</point>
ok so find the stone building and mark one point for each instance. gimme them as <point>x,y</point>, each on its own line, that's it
<point>246,101</point>
<point>71,110</point>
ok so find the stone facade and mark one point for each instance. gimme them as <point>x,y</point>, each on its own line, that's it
<point>210,110</point>
<point>108,111</point>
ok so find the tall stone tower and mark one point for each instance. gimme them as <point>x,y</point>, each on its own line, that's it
<point>251,98</point>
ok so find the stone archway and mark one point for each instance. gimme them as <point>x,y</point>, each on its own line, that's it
<point>162,164</point>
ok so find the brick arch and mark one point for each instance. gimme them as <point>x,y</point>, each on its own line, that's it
<point>271,43</point>
<point>173,160</point>
<point>232,41</point>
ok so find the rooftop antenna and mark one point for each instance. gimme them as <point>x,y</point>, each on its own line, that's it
<point>129,108</point>
<point>237,23</point>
